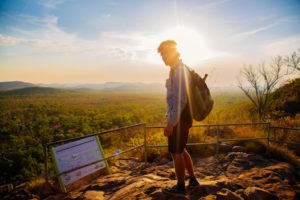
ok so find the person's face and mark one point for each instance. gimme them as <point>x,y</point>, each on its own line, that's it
<point>169,57</point>
<point>164,56</point>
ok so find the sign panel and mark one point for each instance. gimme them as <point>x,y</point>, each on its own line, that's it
<point>76,154</point>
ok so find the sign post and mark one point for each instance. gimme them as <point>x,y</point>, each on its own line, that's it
<point>76,154</point>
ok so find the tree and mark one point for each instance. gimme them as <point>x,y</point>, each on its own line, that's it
<point>261,81</point>
<point>293,62</point>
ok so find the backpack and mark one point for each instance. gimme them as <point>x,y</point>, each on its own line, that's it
<point>199,97</point>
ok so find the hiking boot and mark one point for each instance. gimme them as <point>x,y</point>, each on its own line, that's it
<point>193,183</point>
<point>175,191</point>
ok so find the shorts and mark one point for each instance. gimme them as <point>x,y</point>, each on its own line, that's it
<point>177,141</point>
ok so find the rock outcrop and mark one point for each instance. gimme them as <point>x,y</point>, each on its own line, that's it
<point>238,175</point>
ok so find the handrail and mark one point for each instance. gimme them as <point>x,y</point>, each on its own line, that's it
<point>280,141</point>
<point>244,139</point>
<point>207,125</point>
<point>94,134</point>
<point>286,128</point>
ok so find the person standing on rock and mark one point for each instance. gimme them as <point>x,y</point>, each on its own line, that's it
<point>179,119</point>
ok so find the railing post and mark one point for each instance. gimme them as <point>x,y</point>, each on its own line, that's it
<point>207,133</point>
<point>268,147</point>
<point>145,143</point>
<point>46,163</point>
<point>217,148</point>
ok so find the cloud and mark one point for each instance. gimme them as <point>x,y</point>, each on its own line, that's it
<point>50,38</point>
<point>254,31</point>
<point>51,3</point>
<point>8,41</point>
<point>47,36</point>
<point>210,4</point>
<point>289,19</point>
<point>284,47</point>
<point>44,21</point>
<point>109,46</point>
<point>121,53</point>
<point>106,16</point>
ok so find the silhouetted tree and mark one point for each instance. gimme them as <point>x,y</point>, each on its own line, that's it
<point>261,81</point>
<point>293,62</point>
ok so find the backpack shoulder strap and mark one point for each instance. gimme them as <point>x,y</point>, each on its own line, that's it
<point>188,68</point>
<point>193,72</point>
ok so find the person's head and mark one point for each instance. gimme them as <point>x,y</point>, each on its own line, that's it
<point>168,52</point>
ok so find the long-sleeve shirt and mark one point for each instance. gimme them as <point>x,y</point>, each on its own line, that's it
<point>177,96</point>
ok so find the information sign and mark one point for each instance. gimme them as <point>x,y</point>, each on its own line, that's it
<point>76,154</point>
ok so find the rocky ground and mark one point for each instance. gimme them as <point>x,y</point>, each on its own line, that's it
<point>238,175</point>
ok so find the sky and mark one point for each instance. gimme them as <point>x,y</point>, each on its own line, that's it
<point>97,41</point>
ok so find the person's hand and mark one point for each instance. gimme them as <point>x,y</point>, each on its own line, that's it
<point>168,130</point>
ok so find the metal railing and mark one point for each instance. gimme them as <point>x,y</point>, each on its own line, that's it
<point>146,146</point>
<point>297,130</point>
<point>218,140</point>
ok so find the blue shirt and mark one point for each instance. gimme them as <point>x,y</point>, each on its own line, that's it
<point>177,92</point>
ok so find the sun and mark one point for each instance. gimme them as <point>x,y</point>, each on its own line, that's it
<point>191,45</point>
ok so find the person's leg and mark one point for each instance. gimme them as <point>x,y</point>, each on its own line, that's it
<point>179,165</point>
<point>179,189</point>
<point>178,160</point>
<point>188,163</point>
<point>190,168</point>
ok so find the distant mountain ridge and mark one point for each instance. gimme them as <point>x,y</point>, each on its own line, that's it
<point>102,87</point>
<point>14,85</point>
<point>111,87</point>
<point>35,91</point>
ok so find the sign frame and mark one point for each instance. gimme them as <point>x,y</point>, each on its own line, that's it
<point>60,180</point>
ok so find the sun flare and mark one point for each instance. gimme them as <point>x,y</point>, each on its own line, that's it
<point>192,45</point>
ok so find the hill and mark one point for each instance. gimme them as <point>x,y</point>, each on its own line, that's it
<point>285,101</point>
<point>35,91</point>
<point>136,88</point>
<point>109,87</point>
<point>14,85</point>
<point>113,87</point>
<point>95,86</point>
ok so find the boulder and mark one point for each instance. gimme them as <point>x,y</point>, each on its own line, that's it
<point>225,147</point>
<point>226,194</point>
<point>285,170</point>
<point>161,160</point>
<point>93,195</point>
<point>210,187</point>
<point>134,188</point>
<point>255,193</point>
<point>227,183</point>
<point>240,192</point>
<point>238,149</point>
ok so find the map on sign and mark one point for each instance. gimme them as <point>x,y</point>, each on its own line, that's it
<point>76,154</point>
